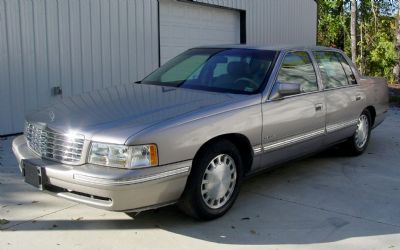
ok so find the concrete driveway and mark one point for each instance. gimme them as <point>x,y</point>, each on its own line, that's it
<point>328,201</point>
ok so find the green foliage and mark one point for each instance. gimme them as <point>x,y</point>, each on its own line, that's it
<point>382,58</point>
<point>376,29</point>
<point>332,23</point>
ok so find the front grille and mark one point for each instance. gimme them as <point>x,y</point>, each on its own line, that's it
<point>55,146</point>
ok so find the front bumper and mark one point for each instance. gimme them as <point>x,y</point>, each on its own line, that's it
<point>108,188</point>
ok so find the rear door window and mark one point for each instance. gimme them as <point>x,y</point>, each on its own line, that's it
<point>332,69</point>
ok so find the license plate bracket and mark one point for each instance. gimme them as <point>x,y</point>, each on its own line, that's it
<point>34,175</point>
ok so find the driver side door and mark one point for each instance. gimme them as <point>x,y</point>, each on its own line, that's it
<point>293,125</point>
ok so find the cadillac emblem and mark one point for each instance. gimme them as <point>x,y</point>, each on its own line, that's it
<point>52,116</point>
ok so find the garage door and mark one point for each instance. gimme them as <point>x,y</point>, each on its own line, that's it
<point>186,25</point>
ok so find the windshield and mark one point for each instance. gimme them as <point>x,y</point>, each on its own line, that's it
<point>240,71</point>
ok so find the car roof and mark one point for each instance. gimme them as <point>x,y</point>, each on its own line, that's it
<point>268,47</point>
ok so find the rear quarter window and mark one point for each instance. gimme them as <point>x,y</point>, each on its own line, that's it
<point>347,69</point>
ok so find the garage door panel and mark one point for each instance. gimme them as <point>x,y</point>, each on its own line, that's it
<point>185,25</point>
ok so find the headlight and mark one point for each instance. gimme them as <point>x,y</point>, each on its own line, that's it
<point>123,156</point>
<point>144,156</point>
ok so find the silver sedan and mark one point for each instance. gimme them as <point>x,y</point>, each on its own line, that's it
<point>191,131</point>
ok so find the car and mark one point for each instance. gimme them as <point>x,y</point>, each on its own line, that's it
<point>193,130</point>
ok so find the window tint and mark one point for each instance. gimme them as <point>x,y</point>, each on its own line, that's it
<point>347,69</point>
<point>222,67</point>
<point>297,68</point>
<point>184,69</point>
<point>332,69</point>
<point>241,71</point>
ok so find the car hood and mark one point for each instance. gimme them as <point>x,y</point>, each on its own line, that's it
<point>114,114</point>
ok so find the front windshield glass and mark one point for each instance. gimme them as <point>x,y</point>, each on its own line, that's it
<point>240,71</point>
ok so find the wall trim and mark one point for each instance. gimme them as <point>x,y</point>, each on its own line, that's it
<point>210,5</point>
<point>159,33</point>
<point>8,135</point>
<point>243,27</point>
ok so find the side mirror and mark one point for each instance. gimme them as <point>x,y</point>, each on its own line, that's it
<point>285,89</point>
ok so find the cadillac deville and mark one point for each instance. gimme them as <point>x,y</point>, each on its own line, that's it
<point>194,129</point>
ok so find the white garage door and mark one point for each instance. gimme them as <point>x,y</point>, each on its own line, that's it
<point>186,25</point>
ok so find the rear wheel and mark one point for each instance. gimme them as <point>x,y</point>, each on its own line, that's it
<point>214,182</point>
<point>358,143</point>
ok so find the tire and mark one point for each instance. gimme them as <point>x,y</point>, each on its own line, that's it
<point>356,145</point>
<point>213,185</point>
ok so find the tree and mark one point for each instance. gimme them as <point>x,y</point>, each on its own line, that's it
<point>396,70</point>
<point>370,35</point>
<point>332,26</point>
<point>353,30</point>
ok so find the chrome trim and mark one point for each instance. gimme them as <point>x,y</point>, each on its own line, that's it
<point>338,126</point>
<point>257,149</point>
<point>293,96</point>
<point>83,199</point>
<point>52,145</point>
<point>341,87</point>
<point>110,182</point>
<point>293,140</point>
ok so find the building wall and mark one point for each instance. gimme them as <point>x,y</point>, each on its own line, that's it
<point>276,21</point>
<point>83,45</point>
<point>79,45</point>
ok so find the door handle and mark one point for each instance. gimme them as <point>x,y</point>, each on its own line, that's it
<point>318,107</point>
<point>358,98</point>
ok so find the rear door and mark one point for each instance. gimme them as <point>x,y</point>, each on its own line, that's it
<point>294,125</point>
<point>343,98</point>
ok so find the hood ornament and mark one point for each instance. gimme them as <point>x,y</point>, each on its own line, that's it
<point>52,116</point>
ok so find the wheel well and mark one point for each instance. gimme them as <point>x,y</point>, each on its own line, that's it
<point>241,142</point>
<point>372,111</point>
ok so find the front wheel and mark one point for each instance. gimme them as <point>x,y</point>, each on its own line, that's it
<point>358,143</point>
<point>214,182</point>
